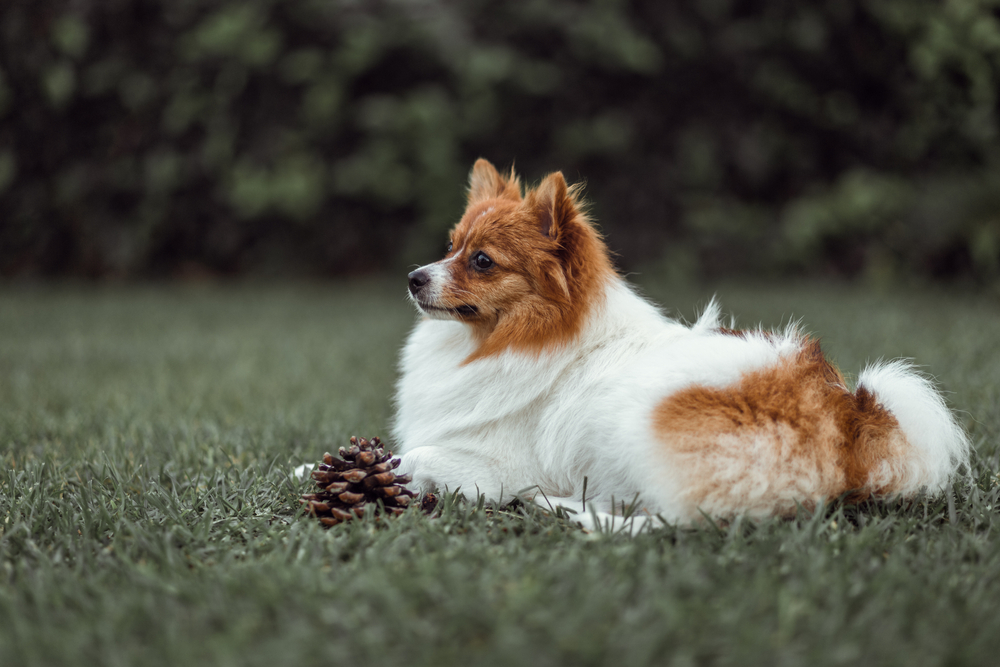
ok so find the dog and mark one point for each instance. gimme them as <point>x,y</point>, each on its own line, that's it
<point>536,370</point>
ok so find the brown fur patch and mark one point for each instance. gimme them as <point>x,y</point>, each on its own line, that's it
<point>548,263</point>
<point>783,435</point>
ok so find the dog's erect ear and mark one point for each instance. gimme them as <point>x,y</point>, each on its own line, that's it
<point>553,205</point>
<point>485,182</point>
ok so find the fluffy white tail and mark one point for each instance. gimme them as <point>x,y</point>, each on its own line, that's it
<point>938,445</point>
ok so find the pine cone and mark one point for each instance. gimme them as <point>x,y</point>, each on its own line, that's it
<point>351,485</point>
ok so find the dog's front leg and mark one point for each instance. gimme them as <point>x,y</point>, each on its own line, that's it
<point>452,470</point>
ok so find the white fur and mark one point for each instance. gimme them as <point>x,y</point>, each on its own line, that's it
<point>937,444</point>
<point>521,424</point>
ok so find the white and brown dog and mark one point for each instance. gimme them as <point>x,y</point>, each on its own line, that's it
<point>535,367</point>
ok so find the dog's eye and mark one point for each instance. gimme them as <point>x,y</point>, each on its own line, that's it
<point>482,261</point>
<point>449,247</point>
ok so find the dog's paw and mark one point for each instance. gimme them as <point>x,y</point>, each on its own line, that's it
<point>591,520</point>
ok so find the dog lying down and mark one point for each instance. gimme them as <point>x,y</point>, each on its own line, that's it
<point>535,370</point>
<point>535,367</point>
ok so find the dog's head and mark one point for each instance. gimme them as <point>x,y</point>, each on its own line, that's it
<point>521,271</point>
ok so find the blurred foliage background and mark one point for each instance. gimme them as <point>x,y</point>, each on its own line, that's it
<point>162,138</point>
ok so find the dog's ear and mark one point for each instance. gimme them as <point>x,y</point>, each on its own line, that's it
<point>485,182</point>
<point>553,205</point>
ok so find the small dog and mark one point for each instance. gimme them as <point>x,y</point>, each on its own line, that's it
<point>537,370</point>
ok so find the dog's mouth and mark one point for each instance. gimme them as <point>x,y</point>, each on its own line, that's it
<point>464,310</point>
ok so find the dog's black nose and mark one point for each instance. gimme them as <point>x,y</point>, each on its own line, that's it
<point>418,279</point>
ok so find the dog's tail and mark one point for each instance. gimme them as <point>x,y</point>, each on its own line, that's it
<point>933,447</point>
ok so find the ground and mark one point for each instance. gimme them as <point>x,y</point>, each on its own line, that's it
<point>147,516</point>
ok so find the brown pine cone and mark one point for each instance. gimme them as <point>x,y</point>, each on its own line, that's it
<point>352,485</point>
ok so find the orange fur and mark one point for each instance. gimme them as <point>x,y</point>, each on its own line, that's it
<point>782,435</point>
<point>549,263</point>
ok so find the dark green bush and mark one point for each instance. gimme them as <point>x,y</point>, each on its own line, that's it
<point>158,137</point>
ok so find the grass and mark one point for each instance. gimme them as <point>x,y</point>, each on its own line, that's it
<point>147,516</point>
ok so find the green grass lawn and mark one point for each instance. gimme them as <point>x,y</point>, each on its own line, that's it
<point>147,516</point>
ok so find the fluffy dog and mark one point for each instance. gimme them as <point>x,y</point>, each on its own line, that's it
<point>535,367</point>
